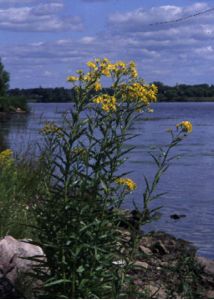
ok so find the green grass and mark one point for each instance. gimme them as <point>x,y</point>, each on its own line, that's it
<point>18,182</point>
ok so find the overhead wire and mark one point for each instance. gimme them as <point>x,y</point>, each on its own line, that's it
<point>183,18</point>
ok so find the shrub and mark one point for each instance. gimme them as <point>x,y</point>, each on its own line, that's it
<point>19,179</point>
<point>11,103</point>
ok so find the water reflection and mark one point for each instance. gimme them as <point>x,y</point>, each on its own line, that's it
<point>10,127</point>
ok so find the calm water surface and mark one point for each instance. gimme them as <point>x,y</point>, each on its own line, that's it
<point>189,182</point>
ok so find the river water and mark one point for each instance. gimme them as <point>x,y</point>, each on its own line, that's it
<point>189,182</point>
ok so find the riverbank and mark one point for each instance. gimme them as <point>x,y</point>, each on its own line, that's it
<point>167,267</point>
<point>13,104</point>
<point>164,267</point>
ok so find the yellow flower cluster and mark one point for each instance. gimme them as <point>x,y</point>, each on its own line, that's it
<point>129,183</point>
<point>6,158</point>
<point>104,67</point>
<point>133,70</point>
<point>186,126</point>
<point>50,128</point>
<point>139,93</point>
<point>119,68</point>
<point>101,66</point>
<point>92,65</point>
<point>134,91</point>
<point>97,86</point>
<point>72,78</point>
<point>79,151</point>
<point>108,102</point>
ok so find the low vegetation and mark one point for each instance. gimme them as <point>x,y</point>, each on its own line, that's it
<point>13,104</point>
<point>19,180</point>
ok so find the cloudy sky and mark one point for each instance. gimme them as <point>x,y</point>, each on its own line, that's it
<point>44,41</point>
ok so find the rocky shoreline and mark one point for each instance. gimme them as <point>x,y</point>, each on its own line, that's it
<point>167,267</point>
<point>164,267</point>
<point>17,110</point>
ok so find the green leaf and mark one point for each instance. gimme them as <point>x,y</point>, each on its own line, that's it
<point>56,282</point>
<point>80,269</point>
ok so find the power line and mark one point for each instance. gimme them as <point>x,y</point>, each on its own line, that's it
<point>184,18</point>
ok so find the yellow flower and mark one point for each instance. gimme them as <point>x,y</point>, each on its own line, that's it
<point>91,65</point>
<point>80,72</point>
<point>108,102</point>
<point>97,86</point>
<point>87,77</point>
<point>6,153</point>
<point>50,128</point>
<point>133,70</point>
<point>141,94</point>
<point>72,78</point>
<point>120,64</point>
<point>132,64</point>
<point>6,158</point>
<point>134,73</point>
<point>111,67</point>
<point>154,88</point>
<point>79,152</point>
<point>106,60</point>
<point>106,72</point>
<point>185,126</point>
<point>129,183</point>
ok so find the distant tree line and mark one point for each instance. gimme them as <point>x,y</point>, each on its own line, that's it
<point>9,103</point>
<point>185,92</point>
<point>179,92</point>
<point>58,94</point>
<point>4,80</point>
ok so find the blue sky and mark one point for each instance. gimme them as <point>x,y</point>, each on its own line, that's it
<point>44,41</point>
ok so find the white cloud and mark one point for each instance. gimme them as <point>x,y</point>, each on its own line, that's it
<point>208,50</point>
<point>142,19</point>
<point>93,1</point>
<point>88,40</point>
<point>142,16</point>
<point>42,17</point>
<point>23,2</point>
<point>15,1</point>
<point>176,52</point>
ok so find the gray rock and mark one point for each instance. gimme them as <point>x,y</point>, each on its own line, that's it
<point>141,264</point>
<point>206,264</point>
<point>145,250</point>
<point>177,216</point>
<point>7,290</point>
<point>210,294</point>
<point>12,265</point>
<point>160,248</point>
<point>156,291</point>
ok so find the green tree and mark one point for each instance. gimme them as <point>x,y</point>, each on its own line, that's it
<point>4,80</point>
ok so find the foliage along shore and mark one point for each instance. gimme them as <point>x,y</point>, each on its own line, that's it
<point>162,267</point>
<point>166,267</point>
<point>9,103</point>
<point>13,104</point>
<point>180,92</point>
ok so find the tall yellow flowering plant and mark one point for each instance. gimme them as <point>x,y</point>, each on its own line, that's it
<point>82,182</point>
<point>78,228</point>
